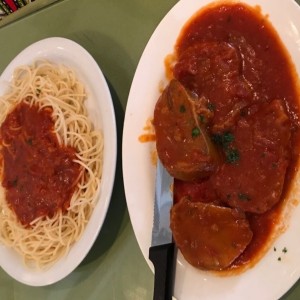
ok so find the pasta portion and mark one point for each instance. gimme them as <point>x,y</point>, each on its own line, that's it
<point>44,84</point>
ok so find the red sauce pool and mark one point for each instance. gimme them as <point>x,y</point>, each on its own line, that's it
<point>39,175</point>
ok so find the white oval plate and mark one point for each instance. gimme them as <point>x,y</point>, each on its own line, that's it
<point>101,112</point>
<point>268,279</point>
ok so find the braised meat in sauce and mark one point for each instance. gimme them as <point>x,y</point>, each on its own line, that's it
<point>204,64</point>
<point>181,139</point>
<point>262,138</point>
<point>227,130</point>
<point>219,228</point>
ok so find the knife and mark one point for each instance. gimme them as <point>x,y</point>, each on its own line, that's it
<point>161,252</point>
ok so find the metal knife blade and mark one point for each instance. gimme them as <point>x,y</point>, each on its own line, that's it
<point>161,252</point>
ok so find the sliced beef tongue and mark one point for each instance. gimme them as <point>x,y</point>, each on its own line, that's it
<point>254,182</point>
<point>214,70</point>
<point>182,143</point>
<point>210,237</point>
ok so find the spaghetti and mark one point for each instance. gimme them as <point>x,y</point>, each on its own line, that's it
<point>54,87</point>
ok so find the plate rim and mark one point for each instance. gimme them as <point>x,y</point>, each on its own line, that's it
<point>171,16</point>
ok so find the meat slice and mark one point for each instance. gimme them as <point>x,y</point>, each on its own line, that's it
<point>182,143</point>
<point>254,183</point>
<point>215,70</point>
<point>210,237</point>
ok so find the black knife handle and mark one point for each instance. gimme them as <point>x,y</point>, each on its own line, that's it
<point>162,257</point>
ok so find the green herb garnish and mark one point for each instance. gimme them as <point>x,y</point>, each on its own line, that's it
<point>195,132</point>
<point>29,141</point>
<point>284,250</point>
<point>228,137</point>
<point>232,155</point>
<point>243,112</point>
<point>211,106</point>
<point>15,182</point>
<point>202,119</point>
<point>223,139</point>
<point>244,197</point>
<point>264,154</point>
<point>182,108</point>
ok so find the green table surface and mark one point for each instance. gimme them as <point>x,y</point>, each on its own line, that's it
<point>115,32</point>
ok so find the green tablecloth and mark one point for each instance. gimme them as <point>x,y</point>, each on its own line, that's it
<point>115,32</point>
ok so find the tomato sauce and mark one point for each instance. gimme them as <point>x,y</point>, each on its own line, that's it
<point>230,54</point>
<point>38,174</point>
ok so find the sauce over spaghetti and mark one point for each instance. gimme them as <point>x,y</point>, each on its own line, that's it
<point>39,175</point>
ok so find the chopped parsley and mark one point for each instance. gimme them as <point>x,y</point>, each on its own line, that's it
<point>284,250</point>
<point>15,182</point>
<point>228,137</point>
<point>211,106</point>
<point>243,112</point>
<point>202,119</point>
<point>38,92</point>
<point>29,141</point>
<point>232,155</point>
<point>195,132</point>
<point>279,258</point>
<point>182,108</point>
<point>224,140</point>
<point>264,154</point>
<point>244,197</point>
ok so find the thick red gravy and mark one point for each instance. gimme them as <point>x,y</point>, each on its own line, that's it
<point>238,43</point>
<point>39,175</point>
